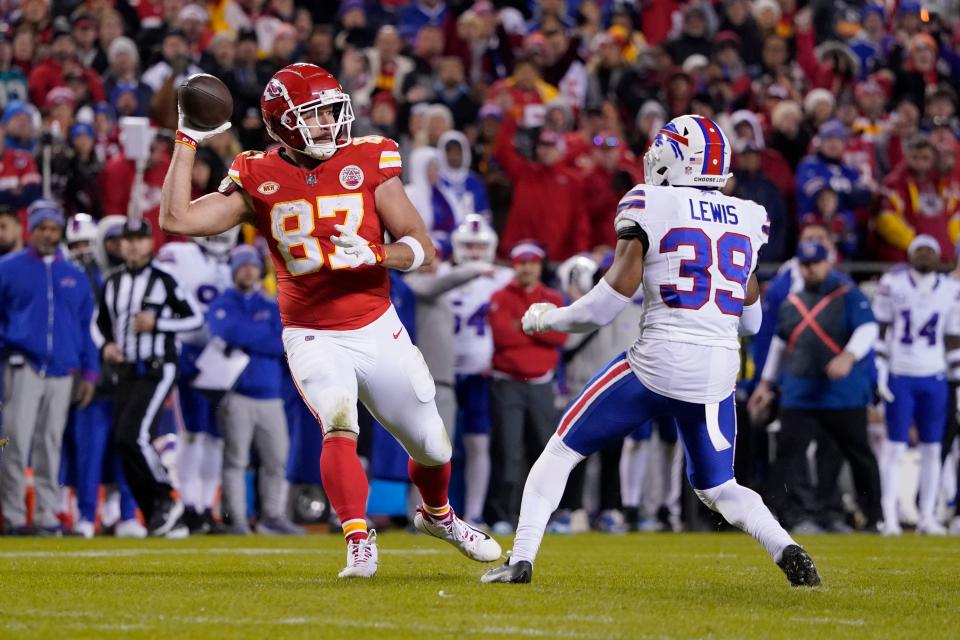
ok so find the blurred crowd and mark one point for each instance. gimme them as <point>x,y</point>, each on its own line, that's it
<point>531,114</point>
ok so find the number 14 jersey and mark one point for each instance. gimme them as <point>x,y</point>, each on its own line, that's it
<point>919,311</point>
<point>703,248</point>
<point>319,286</point>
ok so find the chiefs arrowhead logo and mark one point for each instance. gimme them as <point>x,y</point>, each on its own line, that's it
<point>274,89</point>
<point>266,188</point>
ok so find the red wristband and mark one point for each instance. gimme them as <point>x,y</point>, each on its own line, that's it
<point>184,139</point>
<point>379,251</point>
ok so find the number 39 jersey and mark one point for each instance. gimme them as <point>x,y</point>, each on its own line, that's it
<point>702,250</point>
<point>320,287</point>
<point>920,311</point>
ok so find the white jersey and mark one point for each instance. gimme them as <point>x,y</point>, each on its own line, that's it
<point>200,275</point>
<point>702,250</point>
<point>920,310</point>
<point>473,339</point>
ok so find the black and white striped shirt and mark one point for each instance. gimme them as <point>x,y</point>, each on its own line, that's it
<point>126,293</point>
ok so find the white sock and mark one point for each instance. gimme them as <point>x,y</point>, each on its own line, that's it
<point>892,454</point>
<point>476,474</point>
<point>211,471</point>
<point>541,497</point>
<point>633,469</point>
<point>189,461</point>
<point>929,479</point>
<point>744,509</point>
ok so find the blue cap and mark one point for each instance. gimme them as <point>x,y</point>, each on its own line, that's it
<point>244,254</point>
<point>81,129</point>
<point>872,8</point>
<point>106,109</point>
<point>909,7</point>
<point>42,210</point>
<point>833,129</point>
<point>810,251</point>
<point>15,107</point>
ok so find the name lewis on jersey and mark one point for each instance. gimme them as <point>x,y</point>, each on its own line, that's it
<point>713,212</point>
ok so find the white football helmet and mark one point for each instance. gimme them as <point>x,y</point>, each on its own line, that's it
<point>219,246</point>
<point>474,240</point>
<point>576,275</point>
<point>81,228</point>
<point>689,151</point>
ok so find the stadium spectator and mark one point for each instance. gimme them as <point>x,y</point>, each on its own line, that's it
<point>75,170</point>
<point>609,179</point>
<point>481,42</point>
<point>904,124</point>
<point>251,413</point>
<point>46,307</point>
<point>695,36</point>
<point>825,168</point>
<point>522,391</point>
<point>466,187</point>
<point>388,68</point>
<point>13,84</point>
<point>11,231</point>
<point>51,73</point>
<point>543,192</point>
<point>439,207</point>
<point>19,179</point>
<point>452,91</point>
<point>118,179</point>
<point>825,389</point>
<point>124,71</point>
<point>419,14</point>
<point>915,202</point>
<point>84,29</point>
<point>752,183</point>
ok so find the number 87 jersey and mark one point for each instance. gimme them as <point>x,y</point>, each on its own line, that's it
<point>319,286</point>
<point>701,252</point>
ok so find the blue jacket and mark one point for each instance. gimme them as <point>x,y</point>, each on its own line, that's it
<point>816,172</point>
<point>251,323</point>
<point>46,310</point>
<point>818,391</point>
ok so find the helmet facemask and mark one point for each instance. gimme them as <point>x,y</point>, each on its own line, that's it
<point>331,136</point>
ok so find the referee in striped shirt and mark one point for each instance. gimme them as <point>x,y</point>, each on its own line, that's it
<point>141,311</point>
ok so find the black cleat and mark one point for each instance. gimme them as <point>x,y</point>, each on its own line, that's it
<point>519,573</point>
<point>798,567</point>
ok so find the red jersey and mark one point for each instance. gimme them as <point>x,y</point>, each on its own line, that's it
<point>319,286</point>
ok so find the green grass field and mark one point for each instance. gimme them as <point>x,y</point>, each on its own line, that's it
<point>589,586</point>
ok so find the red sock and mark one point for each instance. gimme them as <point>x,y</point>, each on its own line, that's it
<point>345,484</point>
<point>433,483</point>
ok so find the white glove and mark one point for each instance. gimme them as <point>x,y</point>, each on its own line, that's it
<point>883,381</point>
<point>198,136</point>
<point>356,247</point>
<point>532,321</point>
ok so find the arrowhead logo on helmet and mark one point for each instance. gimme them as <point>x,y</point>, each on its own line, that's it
<point>306,110</point>
<point>699,154</point>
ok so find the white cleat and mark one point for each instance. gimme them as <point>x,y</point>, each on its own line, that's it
<point>130,528</point>
<point>84,528</point>
<point>362,558</point>
<point>931,528</point>
<point>891,529</point>
<point>472,542</point>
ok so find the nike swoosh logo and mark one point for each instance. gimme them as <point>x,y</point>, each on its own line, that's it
<point>397,334</point>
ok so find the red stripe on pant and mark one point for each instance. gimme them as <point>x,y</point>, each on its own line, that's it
<point>593,390</point>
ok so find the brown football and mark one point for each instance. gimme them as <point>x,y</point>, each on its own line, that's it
<point>205,101</point>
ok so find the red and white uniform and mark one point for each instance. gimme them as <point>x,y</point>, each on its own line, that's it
<point>343,338</point>
<point>296,212</point>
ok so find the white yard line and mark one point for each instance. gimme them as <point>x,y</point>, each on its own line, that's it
<point>841,621</point>
<point>224,551</point>
<point>96,622</point>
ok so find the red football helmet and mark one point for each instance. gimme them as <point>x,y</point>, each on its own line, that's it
<point>293,97</point>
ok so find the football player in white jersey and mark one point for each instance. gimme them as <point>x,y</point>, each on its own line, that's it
<point>200,266</point>
<point>475,241</point>
<point>694,251</point>
<point>919,315</point>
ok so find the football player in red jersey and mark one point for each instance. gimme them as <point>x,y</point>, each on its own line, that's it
<point>324,201</point>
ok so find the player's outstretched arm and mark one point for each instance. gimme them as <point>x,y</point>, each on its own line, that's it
<point>601,304</point>
<point>206,216</point>
<point>752,316</point>
<point>414,248</point>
